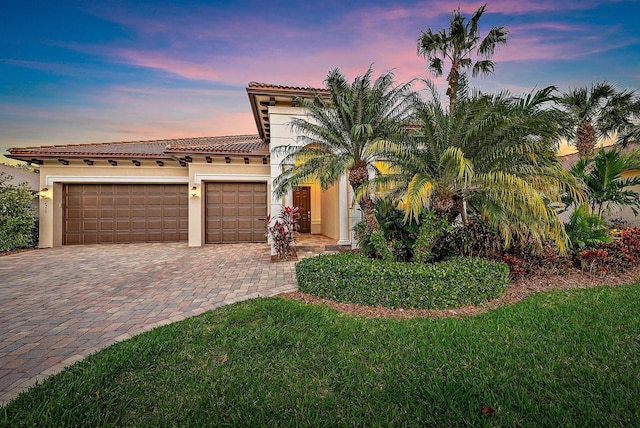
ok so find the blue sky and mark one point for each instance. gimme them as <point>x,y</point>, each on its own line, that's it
<point>95,71</point>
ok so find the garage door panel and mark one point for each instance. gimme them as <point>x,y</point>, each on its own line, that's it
<point>88,238</point>
<point>123,213</point>
<point>245,211</point>
<point>173,212</point>
<point>90,226</point>
<point>233,211</point>
<point>107,225</point>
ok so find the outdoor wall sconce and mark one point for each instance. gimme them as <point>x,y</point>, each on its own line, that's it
<point>194,191</point>
<point>43,192</point>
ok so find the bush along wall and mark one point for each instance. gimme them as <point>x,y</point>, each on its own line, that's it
<point>354,278</point>
<point>17,217</point>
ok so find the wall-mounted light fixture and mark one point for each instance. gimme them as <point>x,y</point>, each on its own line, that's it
<point>43,192</point>
<point>194,191</point>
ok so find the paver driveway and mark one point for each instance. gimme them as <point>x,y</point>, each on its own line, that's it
<point>59,305</point>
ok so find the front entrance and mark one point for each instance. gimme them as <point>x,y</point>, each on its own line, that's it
<point>302,200</point>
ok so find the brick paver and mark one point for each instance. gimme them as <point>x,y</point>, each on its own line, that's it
<point>59,305</point>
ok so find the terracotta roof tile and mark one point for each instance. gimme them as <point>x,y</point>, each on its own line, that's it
<point>152,148</point>
<point>243,144</point>
<point>285,88</point>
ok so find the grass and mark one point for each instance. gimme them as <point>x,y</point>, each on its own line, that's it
<point>567,358</point>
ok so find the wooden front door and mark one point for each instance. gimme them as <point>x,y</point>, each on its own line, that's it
<point>302,200</point>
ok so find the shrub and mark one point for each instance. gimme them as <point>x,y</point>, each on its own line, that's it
<point>379,243</point>
<point>17,217</point>
<point>618,255</point>
<point>586,230</point>
<point>354,278</point>
<point>476,239</point>
<point>526,258</point>
<point>432,229</point>
<point>399,239</point>
<point>283,231</point>
<point>395,234</point>
<point>593,260</point>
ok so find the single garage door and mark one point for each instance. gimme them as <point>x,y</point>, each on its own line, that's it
<point>125,213</point>
<point>235,212</point>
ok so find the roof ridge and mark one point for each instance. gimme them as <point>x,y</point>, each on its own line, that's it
<point>169,141</point>
<point>286,87</point>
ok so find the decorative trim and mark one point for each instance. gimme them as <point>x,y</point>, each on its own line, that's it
<point>199,178</point>
<point>50,179</point>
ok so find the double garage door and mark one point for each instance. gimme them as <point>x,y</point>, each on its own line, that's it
<point>127,213</point>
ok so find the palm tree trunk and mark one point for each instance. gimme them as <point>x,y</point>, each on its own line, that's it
<point>585,139</point>
<point>452,89</point>
<point>358,175</point>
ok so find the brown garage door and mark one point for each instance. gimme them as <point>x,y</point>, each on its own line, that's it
<point>124,213</point>
<point>235,212</point>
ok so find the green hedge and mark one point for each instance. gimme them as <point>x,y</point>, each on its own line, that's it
<point>354,278</point>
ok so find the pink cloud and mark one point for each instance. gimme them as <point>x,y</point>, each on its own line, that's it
<point>164,62</point>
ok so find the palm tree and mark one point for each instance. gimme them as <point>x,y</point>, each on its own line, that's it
<point>494,156</point>
<point>605,175</point>
<point>600,112</point>
<point>457,46</point>
<point>339,135</point>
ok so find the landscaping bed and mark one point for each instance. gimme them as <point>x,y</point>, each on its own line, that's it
<point>517,291</point>
<point>355,278</point>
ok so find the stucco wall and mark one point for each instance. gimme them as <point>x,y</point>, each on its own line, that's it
<point>53,176</point>
<point>330,212</point>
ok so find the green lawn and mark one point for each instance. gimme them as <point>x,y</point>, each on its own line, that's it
<point>556,359</point>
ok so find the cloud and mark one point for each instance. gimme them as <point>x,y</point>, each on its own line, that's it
<point>123,113</point>
<point>165,62</point>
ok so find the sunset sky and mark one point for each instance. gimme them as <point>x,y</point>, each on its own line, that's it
<point>96,71</point>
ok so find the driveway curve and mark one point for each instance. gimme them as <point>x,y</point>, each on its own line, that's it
<point>59,305</point>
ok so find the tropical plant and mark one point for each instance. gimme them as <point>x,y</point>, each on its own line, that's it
<point>339,135</point>
<point>17,216</point>
<point>586,230</point>
<point>493,155</point>
<point>432,229</point>
<point>457,46</point>
<point>600,112</point>
<point>607,177</point>
<point>282,231</point>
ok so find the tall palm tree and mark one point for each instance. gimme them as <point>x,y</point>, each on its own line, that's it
<point>600,112</point>
<point>494,156</point>
<point>607,181</point>
<point>457,46</point>
<point>339,133</point>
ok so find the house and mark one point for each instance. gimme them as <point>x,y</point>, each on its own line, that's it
<point>199,190</point>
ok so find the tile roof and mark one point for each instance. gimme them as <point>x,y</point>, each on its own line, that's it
<point>242,144</point>
<point>152,148</point>
<point>286,88</point>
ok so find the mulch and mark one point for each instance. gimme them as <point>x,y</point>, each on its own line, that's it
<point>518,290</point>
<point>20,250</point>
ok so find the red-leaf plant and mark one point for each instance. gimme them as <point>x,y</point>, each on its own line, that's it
<point>282,231</point>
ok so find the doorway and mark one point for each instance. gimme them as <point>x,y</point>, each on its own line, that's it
<point>302,200</point>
